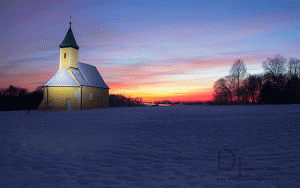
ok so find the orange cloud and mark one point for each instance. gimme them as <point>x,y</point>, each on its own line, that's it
<point>25,77</point>
<point>186,79</point>
<point>183,78</point>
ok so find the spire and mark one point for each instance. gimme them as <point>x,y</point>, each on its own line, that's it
<point>70,21</point>
<point>69,40</point>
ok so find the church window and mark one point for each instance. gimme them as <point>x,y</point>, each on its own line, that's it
<point>90,96</point>
<point>65,55</point>
<point>75,94</point>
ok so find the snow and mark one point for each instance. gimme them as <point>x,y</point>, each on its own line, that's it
<point>79,77</point>
<point>154,146</point>
<point>91,75</point>
<point>61,78</point>
<point>86,75</point>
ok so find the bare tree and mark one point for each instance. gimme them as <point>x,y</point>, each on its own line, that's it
<point>15,91</point>
<point>238,71</point>
<point>292,92</point>
<point>253,86</point>
<point>137,100</point>
<point>274,66</point>
<point>231,85</point>
<point>222,91</point>
<point>294,67</point>
<point>244,94</point>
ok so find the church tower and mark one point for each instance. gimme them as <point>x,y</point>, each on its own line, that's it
<point>68,51</point>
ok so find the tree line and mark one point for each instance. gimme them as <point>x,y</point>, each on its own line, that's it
<point>119,100</point>
<point>278,84</point>
<point>16,98</point>
<point>178,102</point>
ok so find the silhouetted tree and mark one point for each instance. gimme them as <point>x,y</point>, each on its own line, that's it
<point>238,71</point>
<point>163,102</point>
<point>121,101</point>
<point>222,92</point>
<point>137,100</point>
<point>117,100</point>
<point>16,98</point>
<point>292,90</point>
<point>274,66</point>
<point>281,81</point>
<point>266,94</point>
<point>35,98</point>
<point>166,102</point>
<point>176,102</point>
<point>244,94</point>
<point>232,87</point>
<point>253,84</point>
<point>275,86</point>
<point>277,95</point>
<point>271,94</point>
<point>15,91</point>
<point>294,67</point>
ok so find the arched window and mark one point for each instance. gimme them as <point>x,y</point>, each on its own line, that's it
<point>65,55</point>
<point>75,94</point>
<point>90,96</point>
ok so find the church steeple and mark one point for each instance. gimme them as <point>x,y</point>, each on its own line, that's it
<point>69,40</point>
<point>68,51</point>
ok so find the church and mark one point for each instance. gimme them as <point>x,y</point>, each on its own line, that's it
<point>75,85</point>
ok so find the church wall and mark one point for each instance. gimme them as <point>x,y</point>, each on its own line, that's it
<point>58,97</point>
<point>99,97</point>
<point>64,62</point>
<point>74,54</point>
<point>43,104</point>
<point>105,97</point>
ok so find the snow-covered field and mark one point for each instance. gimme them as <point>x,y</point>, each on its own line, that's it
<point>186,146</point>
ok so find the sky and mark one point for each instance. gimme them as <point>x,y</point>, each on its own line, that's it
<point>153,49</point>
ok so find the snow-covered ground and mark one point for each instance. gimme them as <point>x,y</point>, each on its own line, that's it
<point>179,146</point>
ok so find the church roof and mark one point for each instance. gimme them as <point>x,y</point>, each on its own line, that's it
<point>86,75</point>
<point>91,75</point>
<point>79,77</point>
<point>61,78</point>
<point>69,40</point>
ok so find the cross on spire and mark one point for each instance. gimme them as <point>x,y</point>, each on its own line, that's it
<point>70,20</point>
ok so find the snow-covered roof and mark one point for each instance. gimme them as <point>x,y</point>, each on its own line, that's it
<point>79,77</point>
<point>86,75</point>
<point>91,75</point>
<point>61,78</point>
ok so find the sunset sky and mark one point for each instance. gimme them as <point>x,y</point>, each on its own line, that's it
<point>153,49</point>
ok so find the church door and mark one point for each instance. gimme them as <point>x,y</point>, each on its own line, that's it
<point>69,104</point>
